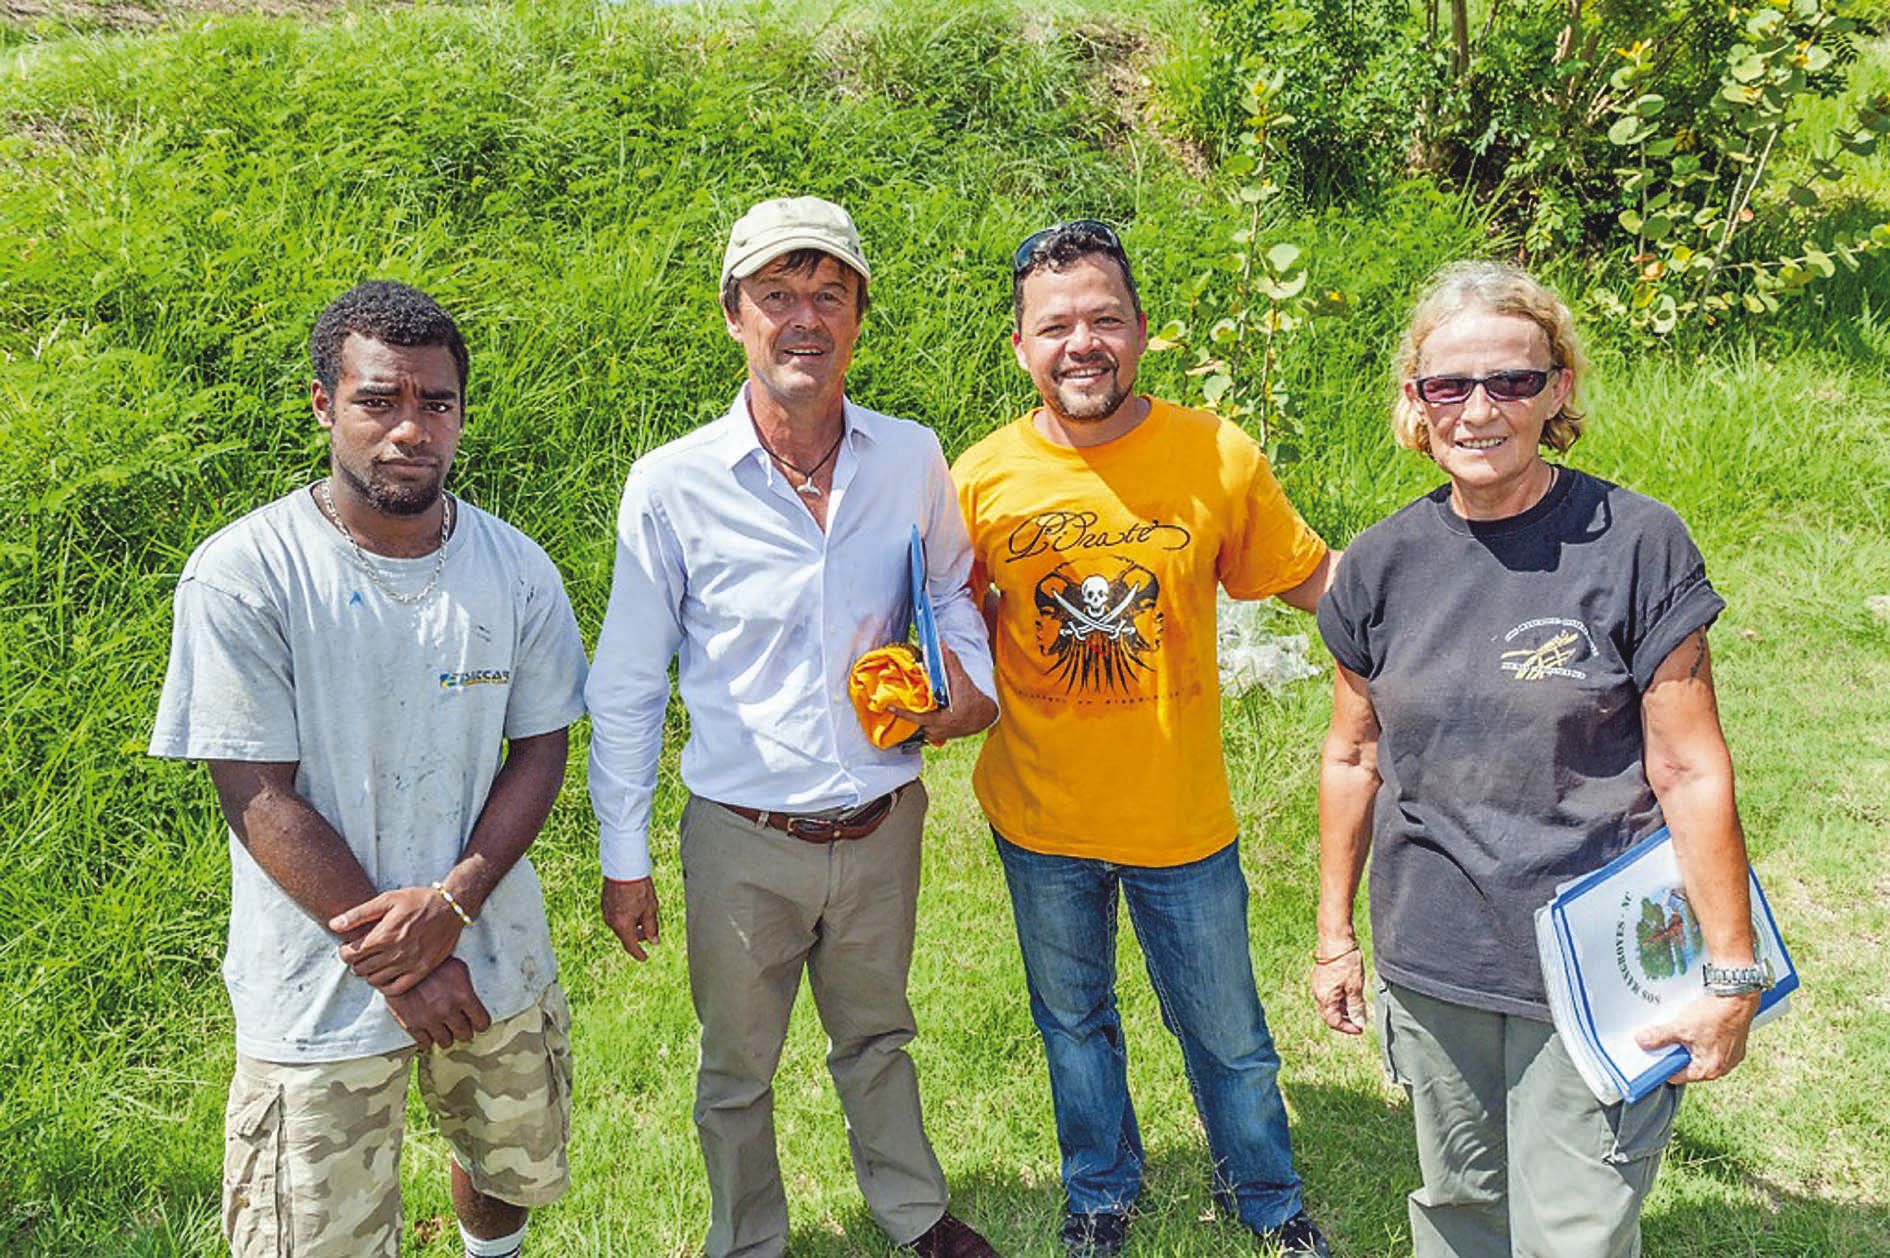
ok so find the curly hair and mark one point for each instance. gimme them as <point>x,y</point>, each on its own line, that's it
<point>1056,248</point>
<point>1496,288</point>
<point>384,311</point>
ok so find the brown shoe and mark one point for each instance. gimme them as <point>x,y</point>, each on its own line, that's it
<point>952,1238</point>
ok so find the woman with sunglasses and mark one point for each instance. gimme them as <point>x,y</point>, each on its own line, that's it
<point>1523,692</point>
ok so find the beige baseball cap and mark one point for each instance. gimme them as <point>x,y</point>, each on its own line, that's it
<point>786,224</point>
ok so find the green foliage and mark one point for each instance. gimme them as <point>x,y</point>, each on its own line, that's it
<point>1637,139</point>
<point>1869,15</point>
<point>1705,231</point>
<point>1525,106</point>
<point>1349,73</point>
<point>1256,298</point>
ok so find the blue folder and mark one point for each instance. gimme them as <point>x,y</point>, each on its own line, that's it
<point>925,622</point>
<point>1675,1059</point>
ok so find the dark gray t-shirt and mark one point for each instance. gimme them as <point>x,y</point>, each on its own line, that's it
<point>1505,661</point>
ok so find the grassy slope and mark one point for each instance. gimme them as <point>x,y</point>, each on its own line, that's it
<point>172,212</point>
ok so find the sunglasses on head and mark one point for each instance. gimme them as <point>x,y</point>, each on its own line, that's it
<point>1028,250</point>
<point>1498,386</point>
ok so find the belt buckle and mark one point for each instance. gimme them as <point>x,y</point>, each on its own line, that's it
<point>813,829</point>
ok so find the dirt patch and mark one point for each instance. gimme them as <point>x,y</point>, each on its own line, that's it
<point>45,132</point>
<point>78,15</point>
<point>1119,57</point>
<point>1114,59</point>
<point>1122,56</point>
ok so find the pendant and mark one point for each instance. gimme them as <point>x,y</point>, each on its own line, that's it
<point>809,490</point>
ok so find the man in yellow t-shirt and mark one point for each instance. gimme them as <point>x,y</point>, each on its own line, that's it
<point>1101,523</point>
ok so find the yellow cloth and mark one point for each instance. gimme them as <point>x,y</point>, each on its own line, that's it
<point>1107,559</point>
<point>885,677</point>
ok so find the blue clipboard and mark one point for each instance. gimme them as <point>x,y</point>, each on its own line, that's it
<point>1674,1059</point>
<point>925,622</point>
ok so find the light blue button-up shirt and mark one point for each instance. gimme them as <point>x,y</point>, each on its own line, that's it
<point>721,567</point>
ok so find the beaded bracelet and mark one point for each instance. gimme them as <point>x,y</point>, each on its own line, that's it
<point>452,903</point>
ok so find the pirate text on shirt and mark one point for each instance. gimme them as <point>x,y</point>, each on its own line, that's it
<point>1061,532</point>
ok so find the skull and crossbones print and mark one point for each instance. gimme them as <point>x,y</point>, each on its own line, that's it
<point>1096,615</point>
<point>1104,625</point>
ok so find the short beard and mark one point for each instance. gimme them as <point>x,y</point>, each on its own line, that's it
<point>403,500</point>
<point>1087,411</point>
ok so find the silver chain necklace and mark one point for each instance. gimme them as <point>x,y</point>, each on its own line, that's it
<point>374,573</point>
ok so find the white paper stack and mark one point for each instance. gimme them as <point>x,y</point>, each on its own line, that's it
<point>1621,951</point>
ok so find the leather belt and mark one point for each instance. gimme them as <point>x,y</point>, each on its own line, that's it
<point>855,825</point>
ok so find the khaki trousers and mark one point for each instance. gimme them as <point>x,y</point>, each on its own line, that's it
<point>1518,1156</point>
<point>760,906</point>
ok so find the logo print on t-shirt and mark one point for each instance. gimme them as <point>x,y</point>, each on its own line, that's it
<point>1061,532</point>
<point>1097,626</point>
<point>1547,647</point>
<point>476,677</point>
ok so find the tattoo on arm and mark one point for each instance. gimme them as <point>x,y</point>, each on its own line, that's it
<point>1699,655</point>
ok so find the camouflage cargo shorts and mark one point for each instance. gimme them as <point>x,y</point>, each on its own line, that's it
<point>311,1161</point>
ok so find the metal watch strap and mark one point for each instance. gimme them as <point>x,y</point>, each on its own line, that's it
<point>1736,980</point>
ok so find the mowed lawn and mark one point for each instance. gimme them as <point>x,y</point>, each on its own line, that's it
<point>172,212</point>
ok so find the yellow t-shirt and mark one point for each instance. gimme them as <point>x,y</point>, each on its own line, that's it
<point>1107,558</point>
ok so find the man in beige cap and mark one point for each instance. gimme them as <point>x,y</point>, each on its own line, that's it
<point>764,552</point>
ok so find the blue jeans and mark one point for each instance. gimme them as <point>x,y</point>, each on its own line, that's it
<point>1192,923</point>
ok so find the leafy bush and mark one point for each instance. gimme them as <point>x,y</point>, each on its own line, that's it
<point>1246,310</point>
<point>1351,72</point>
<point>1526,107</point>
<point>1638,137</point>
<point>1705,238</point>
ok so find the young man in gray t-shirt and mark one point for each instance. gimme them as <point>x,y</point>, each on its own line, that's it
<point>380,677</point>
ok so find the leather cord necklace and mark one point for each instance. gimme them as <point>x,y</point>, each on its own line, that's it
<point>807,488</point>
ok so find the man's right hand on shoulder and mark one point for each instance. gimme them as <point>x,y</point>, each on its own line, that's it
<point>441,1008</point>
<point>630,912</point>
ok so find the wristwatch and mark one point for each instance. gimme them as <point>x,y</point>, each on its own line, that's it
<point>1736,980</point>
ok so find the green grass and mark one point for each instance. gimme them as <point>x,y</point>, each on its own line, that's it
<point>175,208</point>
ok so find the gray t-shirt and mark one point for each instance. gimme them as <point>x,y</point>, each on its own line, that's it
<point>285,650</point>
<point>1506,661</point>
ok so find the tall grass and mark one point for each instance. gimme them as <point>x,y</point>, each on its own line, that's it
<point>174,209</point>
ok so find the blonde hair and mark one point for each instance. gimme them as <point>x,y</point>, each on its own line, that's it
<point>1502,289</point>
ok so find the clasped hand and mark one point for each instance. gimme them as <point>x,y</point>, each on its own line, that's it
<point>402,942</point>
<point>441,1008</point>
<point>408,932</point>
